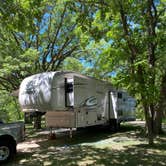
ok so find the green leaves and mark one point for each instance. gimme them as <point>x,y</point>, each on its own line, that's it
<point>19,62</point>
<point>73,64</point>
<point>133,44</point>
<point>35,36</point>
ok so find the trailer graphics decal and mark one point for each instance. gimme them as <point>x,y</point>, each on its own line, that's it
<point>30,88</point>
<point>90,102</point>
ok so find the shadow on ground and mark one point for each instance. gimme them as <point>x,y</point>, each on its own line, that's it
<point>92,147</point>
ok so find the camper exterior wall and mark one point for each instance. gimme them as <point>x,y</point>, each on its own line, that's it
<point>46,92</point>
<point>35,92</point>
<point>123,106</point>
<point>73,100</point>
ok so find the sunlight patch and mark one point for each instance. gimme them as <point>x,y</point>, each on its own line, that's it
<point>113,143</point>
<point>23,161</point>
<point>26,146</point>
<point>46,163</point>
<point>86,161</point>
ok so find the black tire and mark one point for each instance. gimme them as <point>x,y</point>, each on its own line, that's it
<point>7,150</point>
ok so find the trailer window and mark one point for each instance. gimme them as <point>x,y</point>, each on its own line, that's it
<point>119,95</point>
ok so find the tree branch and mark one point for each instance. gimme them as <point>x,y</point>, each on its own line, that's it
<point>151,25</point>
<point>68,53</point>
<point>127,35</point>
<point>58,29</point>
<point>15,37</point>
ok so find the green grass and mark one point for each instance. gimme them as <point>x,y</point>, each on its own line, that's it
<point>164,121</point>
<point>91,147</point>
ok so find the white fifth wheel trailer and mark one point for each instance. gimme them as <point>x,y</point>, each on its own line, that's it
<point>72,100</point>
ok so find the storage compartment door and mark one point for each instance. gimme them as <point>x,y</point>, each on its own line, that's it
<point>61,119</point>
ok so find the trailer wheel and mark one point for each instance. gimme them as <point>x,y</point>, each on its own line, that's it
<point>114,125</point>
<point>7,150</point>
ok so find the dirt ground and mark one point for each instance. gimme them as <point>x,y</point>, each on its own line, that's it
<point>95,146</point>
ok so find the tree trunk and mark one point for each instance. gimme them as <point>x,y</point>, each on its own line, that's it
<point>162,107</point>
<point>37,121</point>
<point>158,122</point>
<point>150,131</point>
<point>149,124</point>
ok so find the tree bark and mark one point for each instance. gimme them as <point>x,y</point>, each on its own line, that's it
<point>158,122</point>
<point>149,123</point>
<point>162,107</point>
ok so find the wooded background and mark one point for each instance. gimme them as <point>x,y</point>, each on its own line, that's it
<point>121,41</point>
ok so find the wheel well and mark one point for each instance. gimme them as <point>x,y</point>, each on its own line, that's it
<point>9,139</point>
